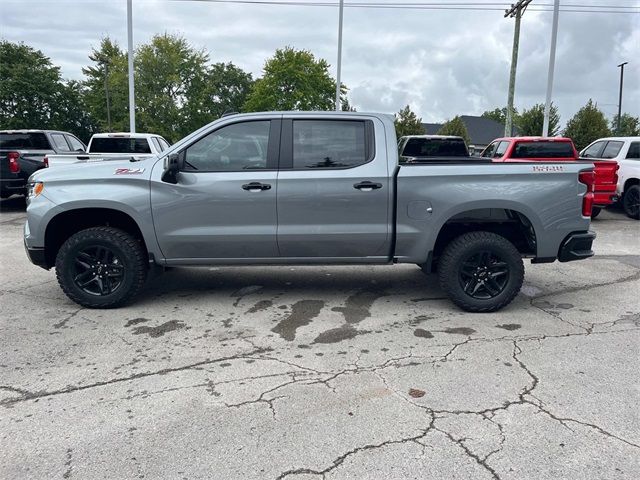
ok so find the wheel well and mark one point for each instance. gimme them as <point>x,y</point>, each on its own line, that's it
<point>512,225</point>
<point>65,224</point>
<point>630,182</point>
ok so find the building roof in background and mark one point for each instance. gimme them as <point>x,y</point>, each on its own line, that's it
<point>482,131</point>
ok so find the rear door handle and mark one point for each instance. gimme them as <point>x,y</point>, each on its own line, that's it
<point>367,186</point>
<point>256,186</point>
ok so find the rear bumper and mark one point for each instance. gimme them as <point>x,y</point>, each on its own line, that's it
<point>577,246</point>
<point>10,186</point>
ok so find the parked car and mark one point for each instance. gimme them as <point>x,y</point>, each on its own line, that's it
<point>114,146</point>
<point>625,151</point>
<point>429,148</point>
<point>556,149</point>
<point>305,188</point>
<point>22,152</point>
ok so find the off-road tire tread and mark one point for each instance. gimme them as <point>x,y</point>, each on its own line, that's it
<point>128,243</point>
<point>624,203</point>
<point>448,274</point>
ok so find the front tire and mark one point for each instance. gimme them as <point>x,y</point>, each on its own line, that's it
<point>481,271</point>
<point>101,267</point>
<point>631,202</point>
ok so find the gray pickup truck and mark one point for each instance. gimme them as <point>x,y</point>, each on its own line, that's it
<point>305,188</point>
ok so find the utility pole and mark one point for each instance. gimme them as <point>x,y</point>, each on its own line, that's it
<point>106,91</point>
<point>132,98</point>
<point>339,55</point>
<point>552,64</point>
<point>516,11</point>
<point>621,67</point>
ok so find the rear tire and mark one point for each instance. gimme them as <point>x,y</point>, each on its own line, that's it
<point>631,202</point>
<point>101,267</point>
<point>481,271</point>
<point>595,211</point>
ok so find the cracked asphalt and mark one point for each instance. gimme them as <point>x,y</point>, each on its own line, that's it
<point>331,372</point>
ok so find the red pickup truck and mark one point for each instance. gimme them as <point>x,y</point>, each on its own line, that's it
<point>556,149</point>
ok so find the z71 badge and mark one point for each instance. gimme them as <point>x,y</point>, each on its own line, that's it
<point>548,168</point>
<point>128,171</point>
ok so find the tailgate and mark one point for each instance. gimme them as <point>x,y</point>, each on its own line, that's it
<point>605,181</point>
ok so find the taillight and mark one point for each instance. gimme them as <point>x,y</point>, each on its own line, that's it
<point>587,178</point>
<point>14,165</point>
<point>45,160</point>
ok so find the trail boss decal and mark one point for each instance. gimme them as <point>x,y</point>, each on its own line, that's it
<point>128,171</point>
<point>548,168</point>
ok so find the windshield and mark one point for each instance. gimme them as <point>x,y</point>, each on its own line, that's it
<point>35,141</point>
<point>119,145</point>
<point>435,147</point>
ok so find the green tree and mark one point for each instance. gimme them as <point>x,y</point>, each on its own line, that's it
<point>28,89</point>
<point>224,88</point>
<point>110,63</point>
<point>498,114</point>
<point>34,95</point>
<point>170,75</point>
<point>456,127</point>
<point>587,125</point>
<point>629,125</point>
<point>530,122</point>
<point>345,106</point>
<point>408,123</point>
<point>293,80</point>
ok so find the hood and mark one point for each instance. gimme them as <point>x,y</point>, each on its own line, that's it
<point>111,169</point>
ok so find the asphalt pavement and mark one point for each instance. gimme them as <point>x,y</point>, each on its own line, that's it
<point>323,372</point>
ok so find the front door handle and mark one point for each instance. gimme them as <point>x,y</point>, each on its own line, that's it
<point>367,186</point>
<point>256,186</point>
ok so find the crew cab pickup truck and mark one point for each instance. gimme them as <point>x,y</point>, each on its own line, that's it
<point>114,146</point>
<point>22,152</point>
<point>556,149</point>
<point>311,188</point>
<point>625,151</point>
<point>424,148</point>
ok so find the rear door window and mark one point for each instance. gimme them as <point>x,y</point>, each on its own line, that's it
<point>60,142</point>
<point>76,145</point>
<point>501,149</point>
<point>543,150</point>
<point>330,144</point>
<point>24,141</point>
<point>593,151</point>
<point>634,151</point>
<point>612,149</point>
<point>156,144</point>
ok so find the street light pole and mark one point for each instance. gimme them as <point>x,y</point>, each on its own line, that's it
<point>106,91</point>
<point>339,55</point>
<point>552,63</point>
<point>132,99</point>
<point>621,66</point>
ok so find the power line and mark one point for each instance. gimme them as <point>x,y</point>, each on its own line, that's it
<point>487,6</point>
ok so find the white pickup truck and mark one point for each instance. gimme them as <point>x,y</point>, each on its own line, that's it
<point>113,146</point>
<point>625,151</point>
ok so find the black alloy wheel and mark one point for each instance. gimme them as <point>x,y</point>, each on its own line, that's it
<point>98,270</point>
<point>484,275</point>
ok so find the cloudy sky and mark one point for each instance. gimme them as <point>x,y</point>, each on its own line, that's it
<point>441,62</point>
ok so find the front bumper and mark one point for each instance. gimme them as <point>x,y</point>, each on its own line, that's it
<point>37,256</point>
<point>576,246</point>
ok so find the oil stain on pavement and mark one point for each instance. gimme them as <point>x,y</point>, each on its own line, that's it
<point>302,313</point>
<point>160,330</point>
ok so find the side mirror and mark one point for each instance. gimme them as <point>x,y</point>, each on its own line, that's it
<point>172,165</point>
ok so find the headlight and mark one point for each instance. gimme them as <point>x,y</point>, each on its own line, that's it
<point>34,189</point>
